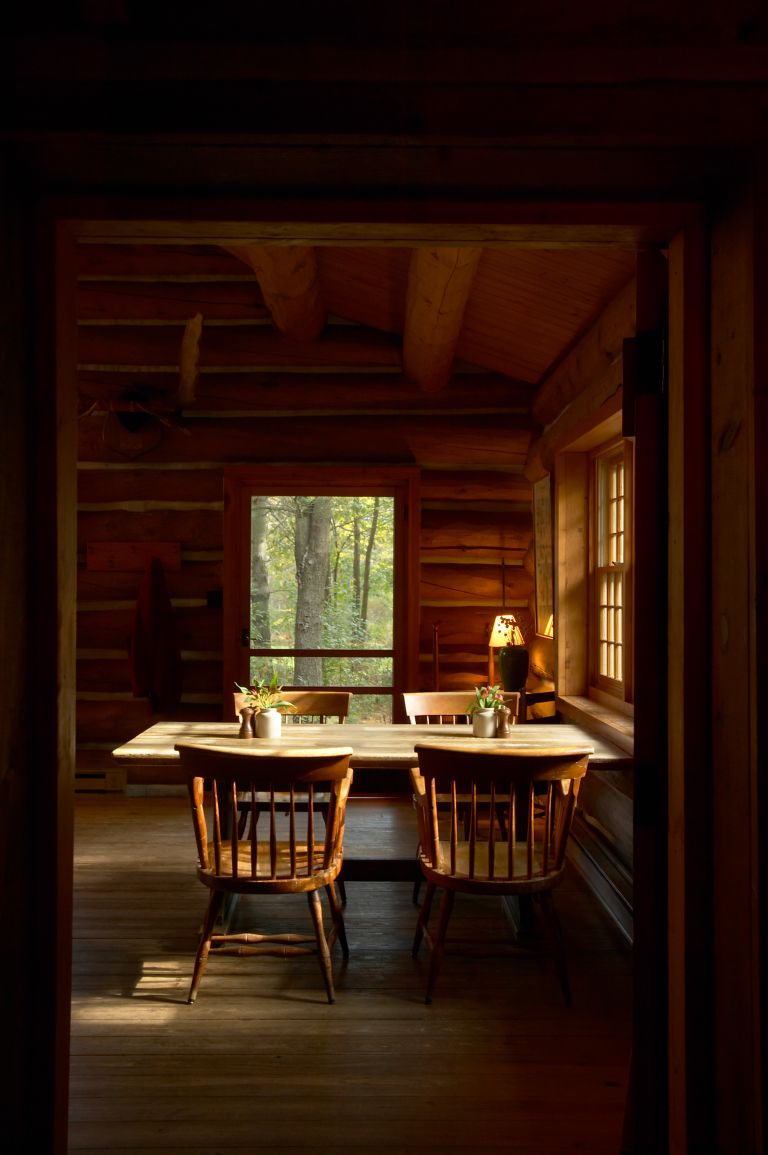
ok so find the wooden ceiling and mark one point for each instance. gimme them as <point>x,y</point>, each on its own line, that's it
<point>202,318</point>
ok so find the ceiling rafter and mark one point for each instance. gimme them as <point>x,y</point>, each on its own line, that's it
<point>439,283</point>
<point>289,282</point>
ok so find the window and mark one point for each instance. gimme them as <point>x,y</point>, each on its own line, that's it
<point>317,565</point>
<point>609,535</point>
<point>593,572</point>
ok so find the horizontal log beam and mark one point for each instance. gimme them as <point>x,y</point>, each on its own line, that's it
<point>432,441</point>
<point>472,584</point>
<point>193,580</point>
<point>356,391</point>
<point>196,629</point>
<point>189,485</point>
<point>243,347</point>
<point>153,300</point>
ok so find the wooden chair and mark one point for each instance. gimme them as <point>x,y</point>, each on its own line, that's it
<point>436,707</point>
<point>528,863</point>
<point>317,705</point>
<point>297,853</point>
<point>310,705</point>
<point>433,707</point>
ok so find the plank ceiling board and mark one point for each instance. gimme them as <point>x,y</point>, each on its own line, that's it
<point>527,306</point>
<point>525,309</point>
<point>366,285</point>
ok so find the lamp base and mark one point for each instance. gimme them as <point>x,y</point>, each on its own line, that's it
<point>513,667</point>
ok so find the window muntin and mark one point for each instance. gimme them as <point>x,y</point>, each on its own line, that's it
<point>321,606</point>
<point>610,534</point>
<point>378,671</point>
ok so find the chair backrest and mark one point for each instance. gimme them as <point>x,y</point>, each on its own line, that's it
<point>295,842</point>
<point>436,706</point>
<point>310,705</point>
<point>317,705</point>
<point>504,815</point>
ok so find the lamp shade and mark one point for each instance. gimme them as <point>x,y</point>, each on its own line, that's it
<point>506,632</point>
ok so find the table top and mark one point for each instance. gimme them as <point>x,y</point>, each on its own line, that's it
<point>389,745</point>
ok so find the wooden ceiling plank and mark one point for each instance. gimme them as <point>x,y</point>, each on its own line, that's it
<point>439,284</point>
<point>289,282</point>
<point>589,359</point>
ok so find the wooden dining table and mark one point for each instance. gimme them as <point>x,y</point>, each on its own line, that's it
<point>381,837</point>
<point>389,747</point>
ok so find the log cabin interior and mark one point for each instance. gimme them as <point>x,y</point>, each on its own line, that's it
<point>476,252</point>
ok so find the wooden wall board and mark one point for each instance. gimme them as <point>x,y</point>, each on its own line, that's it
<point>103,556</point>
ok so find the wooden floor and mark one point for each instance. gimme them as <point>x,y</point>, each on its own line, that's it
<point>262,1063</point>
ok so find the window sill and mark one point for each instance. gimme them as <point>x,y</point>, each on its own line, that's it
<point>613,725</point>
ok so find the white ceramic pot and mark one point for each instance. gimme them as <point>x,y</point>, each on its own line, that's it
<point>268,723</point>
<point>484,723</point>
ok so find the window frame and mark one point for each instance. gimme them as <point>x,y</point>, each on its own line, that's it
<point>578,696</point>
<point>241,482</point>
<point>619,688</point>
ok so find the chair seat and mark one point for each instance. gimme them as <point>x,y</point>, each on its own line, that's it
<point>264,868</point>
<point>527,876</point>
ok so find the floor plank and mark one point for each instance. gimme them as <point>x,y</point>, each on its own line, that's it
<point>262,1063</point>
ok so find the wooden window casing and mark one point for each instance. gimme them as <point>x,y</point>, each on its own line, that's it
<point>399,482</point>
<point>610,536</point>
<point>576,588</point>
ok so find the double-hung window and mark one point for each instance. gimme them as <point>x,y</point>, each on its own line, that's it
<point>594,569</point>
<point>610,527</point>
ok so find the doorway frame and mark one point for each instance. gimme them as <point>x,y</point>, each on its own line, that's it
<point>640,225</point>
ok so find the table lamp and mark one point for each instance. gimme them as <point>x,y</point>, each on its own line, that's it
<point>507,638</point>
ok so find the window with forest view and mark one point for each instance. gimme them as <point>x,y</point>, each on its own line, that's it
<point>321,580</point>
<point>321,593</point>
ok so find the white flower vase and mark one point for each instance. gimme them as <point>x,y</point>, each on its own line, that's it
<point>268,724</point>
<point>484,723</point>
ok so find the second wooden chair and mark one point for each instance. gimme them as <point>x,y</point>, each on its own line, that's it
<point>297,853</point>
<point>529,862</point>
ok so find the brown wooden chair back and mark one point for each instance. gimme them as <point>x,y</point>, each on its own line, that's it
<point>438,706</point>
<point>310,705</point>
<point>494,821</point>
<point>317,705</point>
<point>294,851</point>
<point>432,707</point>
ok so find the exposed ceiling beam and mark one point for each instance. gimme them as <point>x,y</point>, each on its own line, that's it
<point>439,282</point>
<point>289,283</point>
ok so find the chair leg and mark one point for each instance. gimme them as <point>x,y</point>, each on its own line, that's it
<point>438,943</point>
<point>423,919</point>
<point>323,953</point>
<point>416,881</point>
<point>338,919</point>
<point>557,945</point>
<point>342,890</point>
<point>215,904</point>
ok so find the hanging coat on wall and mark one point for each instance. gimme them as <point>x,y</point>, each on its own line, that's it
<point>154,656</point>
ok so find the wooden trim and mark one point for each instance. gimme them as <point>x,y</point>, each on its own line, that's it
<point>692,1046</point>
<point>739,437</point>
<point>400,482</point>
<point>571,573</point>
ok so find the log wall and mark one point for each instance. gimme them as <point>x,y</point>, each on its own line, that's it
<point>158,487</point>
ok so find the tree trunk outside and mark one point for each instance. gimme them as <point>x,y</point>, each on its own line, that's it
<point>261,632</point>
<point>313,523</point>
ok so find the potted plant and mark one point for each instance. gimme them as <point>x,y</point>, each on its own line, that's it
<point>265,699</point>
<point>487,700</point>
